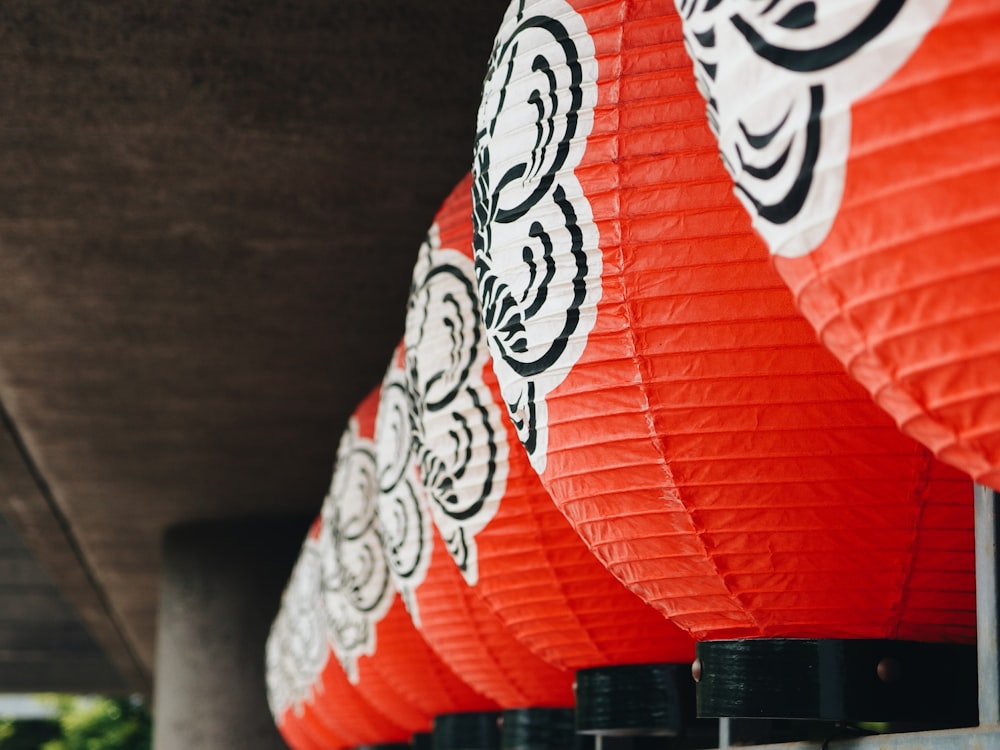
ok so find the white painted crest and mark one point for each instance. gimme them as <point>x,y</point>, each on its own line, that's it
<point>355,588</point>
<point>296,651</point>
<point>459,442</point>
<point>440,448</point>
<point>780,78</point>
<point>538,263</point>
<point>402,508</point>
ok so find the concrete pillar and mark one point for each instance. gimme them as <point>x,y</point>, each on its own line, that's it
<point>220,589</point>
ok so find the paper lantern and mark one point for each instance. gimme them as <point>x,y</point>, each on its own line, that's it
<point>295,658</point>
<point>675,404</point>
<point>511,543</point>
<point>451,616</point>
<point>344,655</point>
<point>877,193</point>
<point>366,623</point>
<point>310,697</point>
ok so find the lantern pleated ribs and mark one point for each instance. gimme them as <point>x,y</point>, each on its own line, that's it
<point>531,567</point>
<point>709,451</point>
<point>517,552</point>
<point>310,696</point>
<point>899,283</point>
<point>376,665</point>
<point>451,616</point>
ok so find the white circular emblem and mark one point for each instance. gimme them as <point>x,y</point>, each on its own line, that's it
<point>538,263</point>
<point>355,588</point>
<point>296,651</point>
<point>780,78</point>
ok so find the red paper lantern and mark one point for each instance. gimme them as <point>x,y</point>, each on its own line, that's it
<point>673,401</point>
<point>360,659</point>
<point>298,737</point>
<point>310,697</point>
<point>511,543</point>
<point>295,659</point>
<point>889,221</point>
<point>367,625</point>
<point>451,616</point>
<point>515,548</point>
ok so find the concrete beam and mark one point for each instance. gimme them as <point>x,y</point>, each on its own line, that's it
<point>35,606</point>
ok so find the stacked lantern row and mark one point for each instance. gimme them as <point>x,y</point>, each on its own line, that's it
<point>345,665</point>
<point>603,376</point>
<point>435,499</point>
<point>674,402</point>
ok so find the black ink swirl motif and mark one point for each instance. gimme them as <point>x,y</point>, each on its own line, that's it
<point>355,587</point>
<point>779,77</point>
<point>460,460</point>
<point>296,651</point>
<point>403,520</point>
<point>537,261</point>
<point>438,455</point>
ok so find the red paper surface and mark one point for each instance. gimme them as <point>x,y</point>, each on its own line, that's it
<point>903,290</point>
<point>711,452</point>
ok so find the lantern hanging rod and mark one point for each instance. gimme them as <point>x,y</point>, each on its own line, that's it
<point>987,734</point>
<point>987,609</point>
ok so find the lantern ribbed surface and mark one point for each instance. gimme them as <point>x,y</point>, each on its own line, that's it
<point>451,616</point>
<point>340,707</point>
<point>308,692</point>
<point>517,550</point>
<point>353,658</point>
<point>676,405</point>
<point>299,735</point>
<point>902,289</point>
<point>367,625</point>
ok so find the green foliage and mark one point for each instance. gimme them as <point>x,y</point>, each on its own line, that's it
<point>27,734</point>
<point>84,724</point>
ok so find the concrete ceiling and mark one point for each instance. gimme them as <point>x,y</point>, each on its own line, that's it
<point>208,216</point>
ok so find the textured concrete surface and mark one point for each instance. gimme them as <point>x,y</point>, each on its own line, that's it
<point>31,520</point>
<point>222,584</point>
<point>208,216</point>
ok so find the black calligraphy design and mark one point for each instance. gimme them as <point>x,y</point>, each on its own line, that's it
<point>780,77</point>
<point>355,587</point>
<point>538,265</point>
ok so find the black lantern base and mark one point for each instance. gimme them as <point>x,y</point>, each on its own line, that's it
<point>473,730</point>
<point>542,729</point>
<point>650,700</point>
<point>422,741</point>
<point>838,680</point>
